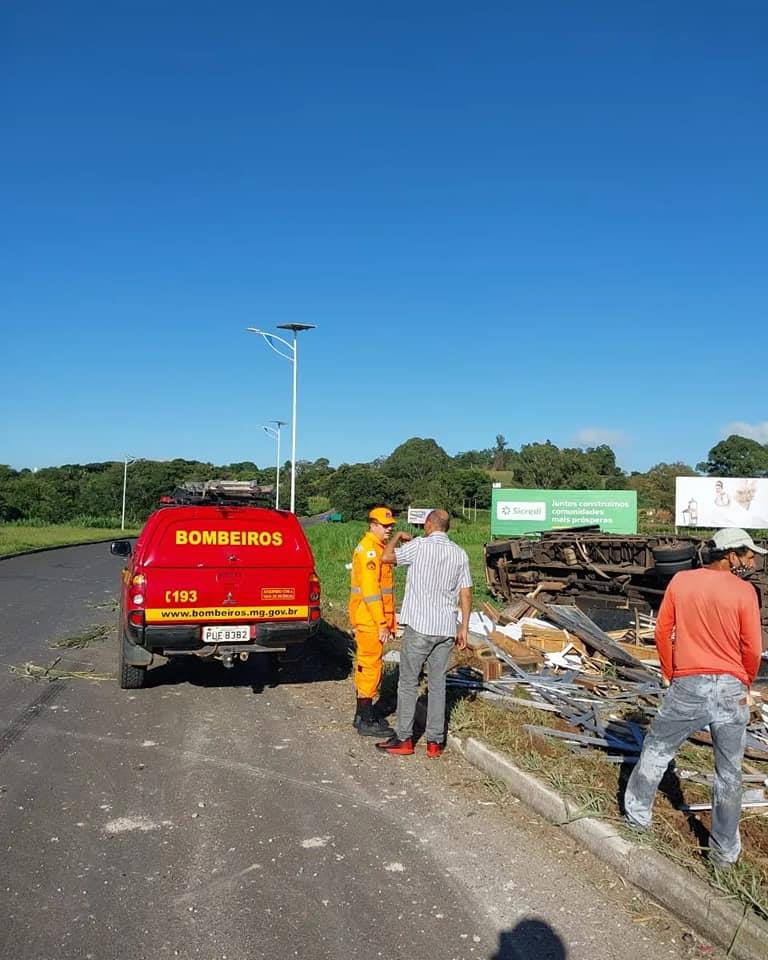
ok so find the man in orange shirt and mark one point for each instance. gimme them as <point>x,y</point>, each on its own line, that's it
<point>709,642</point>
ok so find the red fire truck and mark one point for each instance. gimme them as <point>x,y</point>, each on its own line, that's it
<point>214,574</point>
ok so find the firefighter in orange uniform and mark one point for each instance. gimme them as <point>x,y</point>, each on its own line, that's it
<point>372,615</point>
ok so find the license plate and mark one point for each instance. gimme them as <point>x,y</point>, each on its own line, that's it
<point>226,634</point>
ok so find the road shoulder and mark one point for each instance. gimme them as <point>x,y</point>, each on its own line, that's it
<point>744,936</point>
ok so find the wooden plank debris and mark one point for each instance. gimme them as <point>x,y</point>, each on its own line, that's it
<point>575,621</point>
<point>619,677</point>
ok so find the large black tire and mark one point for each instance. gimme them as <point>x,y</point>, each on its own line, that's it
<point>130,677</point>
<point>670,569</point>
<point>672,554</point>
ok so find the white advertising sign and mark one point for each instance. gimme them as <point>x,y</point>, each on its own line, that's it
<point>521,510</point>
<point>418,515</point>
<point>721,502</point>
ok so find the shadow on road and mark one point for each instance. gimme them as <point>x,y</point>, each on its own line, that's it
<point>327,657</point>
<point>530,940</point>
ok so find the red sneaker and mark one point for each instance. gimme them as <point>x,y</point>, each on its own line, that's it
<point>434,749</point>
<point>398,748</point>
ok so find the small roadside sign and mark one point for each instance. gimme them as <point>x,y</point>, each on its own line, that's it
<point>417,515</point>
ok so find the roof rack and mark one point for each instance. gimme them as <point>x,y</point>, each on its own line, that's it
<point>222,492</point>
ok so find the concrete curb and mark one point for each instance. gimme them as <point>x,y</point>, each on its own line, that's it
<point>713,915</point>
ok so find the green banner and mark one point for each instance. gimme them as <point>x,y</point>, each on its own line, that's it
<point>527,511</point>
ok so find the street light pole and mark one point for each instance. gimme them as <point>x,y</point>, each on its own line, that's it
<point>292,355</point>
<point>275,432</point>
<point>125,485</point>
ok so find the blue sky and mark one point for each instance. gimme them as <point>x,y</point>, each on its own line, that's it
<point>541,220</point>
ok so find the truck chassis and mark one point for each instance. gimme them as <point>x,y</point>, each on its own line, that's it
<point>604,569</point>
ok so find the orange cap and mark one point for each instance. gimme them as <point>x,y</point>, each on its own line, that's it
<point>382,515</point>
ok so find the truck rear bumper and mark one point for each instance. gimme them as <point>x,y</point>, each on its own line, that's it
<point>179,639</point>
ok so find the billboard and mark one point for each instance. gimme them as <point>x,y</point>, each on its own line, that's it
<point>526,511</point>
<point>721,502</point>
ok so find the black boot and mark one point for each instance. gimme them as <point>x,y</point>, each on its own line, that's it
<point>361,707</point>
<point>368,725</point>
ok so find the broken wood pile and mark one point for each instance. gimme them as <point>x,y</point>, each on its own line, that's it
<point>604,686</point>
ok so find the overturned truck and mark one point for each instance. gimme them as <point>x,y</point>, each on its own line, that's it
<point>585,566</point>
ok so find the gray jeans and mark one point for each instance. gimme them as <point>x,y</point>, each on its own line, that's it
<point>417,649</point>
<point>691,703</point>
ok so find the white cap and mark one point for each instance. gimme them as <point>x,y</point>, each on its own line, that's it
<point>731,538</point>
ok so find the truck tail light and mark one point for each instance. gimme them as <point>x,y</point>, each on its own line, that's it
<point>136,618</point>
<point>138,587</point>
<point>314,588</point>
<point>314,596</point>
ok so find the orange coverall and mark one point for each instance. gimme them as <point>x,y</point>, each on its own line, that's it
<point>371,606</point>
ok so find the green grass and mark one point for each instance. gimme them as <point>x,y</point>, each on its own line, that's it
<point>18,538</point>
<point>333,544</point>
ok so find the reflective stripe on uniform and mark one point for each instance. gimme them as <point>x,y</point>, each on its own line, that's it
<point>373,598</point>
<point>387,591</point>
<point>355,589</point>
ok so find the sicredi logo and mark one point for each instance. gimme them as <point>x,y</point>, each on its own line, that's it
<point>521,510</point>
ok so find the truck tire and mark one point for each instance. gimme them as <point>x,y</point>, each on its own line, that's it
<point>674,554</point>
<point>670,569</point>
<point>129,677</point>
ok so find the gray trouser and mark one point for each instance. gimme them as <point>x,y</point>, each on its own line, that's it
<point>417,649</point>
<point>691,703</point>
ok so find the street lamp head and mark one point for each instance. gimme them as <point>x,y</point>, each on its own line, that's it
<point>289,353</point>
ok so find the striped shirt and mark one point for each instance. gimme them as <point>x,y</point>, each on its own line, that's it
<point>437,570</point>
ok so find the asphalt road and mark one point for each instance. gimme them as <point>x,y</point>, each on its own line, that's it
<point>212,815</point>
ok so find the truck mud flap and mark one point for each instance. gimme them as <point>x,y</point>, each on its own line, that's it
<point>134,655</point>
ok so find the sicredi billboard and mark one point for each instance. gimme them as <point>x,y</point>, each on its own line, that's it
<point>525,511</point>
<point>721,502</point>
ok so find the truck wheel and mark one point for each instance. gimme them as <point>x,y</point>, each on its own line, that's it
<point>674,554</point>
<point>670,569</point>
<point>130,677</point>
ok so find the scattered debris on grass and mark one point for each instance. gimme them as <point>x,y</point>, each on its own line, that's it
<point>570,702</point>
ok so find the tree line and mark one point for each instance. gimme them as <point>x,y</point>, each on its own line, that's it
<point>419,472</point>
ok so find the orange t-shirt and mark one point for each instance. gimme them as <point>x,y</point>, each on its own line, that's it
<point>709,622</point>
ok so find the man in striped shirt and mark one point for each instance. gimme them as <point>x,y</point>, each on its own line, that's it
<point>438,577</point>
